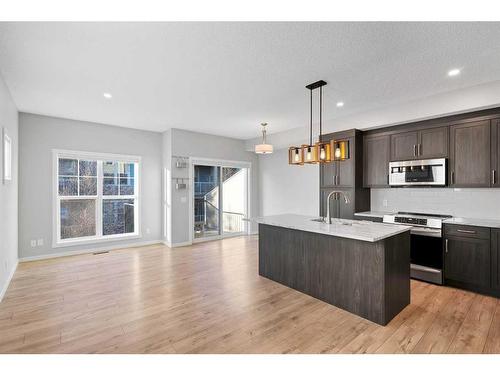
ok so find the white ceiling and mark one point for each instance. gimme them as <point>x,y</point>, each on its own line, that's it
<point>226,78</point>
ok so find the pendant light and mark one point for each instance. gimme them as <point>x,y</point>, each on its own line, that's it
<point>264,148</point>
<point>312,153</point>
<point>340,149</point>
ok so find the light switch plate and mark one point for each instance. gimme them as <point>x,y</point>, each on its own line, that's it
<point>33,243</point>
<point>39,242</point>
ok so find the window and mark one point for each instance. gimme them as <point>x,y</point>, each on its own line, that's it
<point>96,197</point>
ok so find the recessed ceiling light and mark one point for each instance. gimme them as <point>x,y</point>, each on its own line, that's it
<point>453,72</point>
<point>340,104</point>
<point>107,95</point>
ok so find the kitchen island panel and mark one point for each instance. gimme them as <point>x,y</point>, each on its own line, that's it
<point>347,273</point>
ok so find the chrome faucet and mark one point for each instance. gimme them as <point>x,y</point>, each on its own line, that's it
<point>333,193</point>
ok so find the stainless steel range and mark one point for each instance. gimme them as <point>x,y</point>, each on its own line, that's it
<point>426,251</point>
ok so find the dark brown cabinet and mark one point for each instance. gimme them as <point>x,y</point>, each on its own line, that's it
<point>376,153</point>
<point>433,143</point>
<point>470,154</point>
<point>404,146</point>
<point>495,153</point>
<point>467,261</point>
<point>495,259</point>
<point>339,173</point>
<point>422,144</point>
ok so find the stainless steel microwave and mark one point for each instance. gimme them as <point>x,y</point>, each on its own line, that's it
<point>429,172</point>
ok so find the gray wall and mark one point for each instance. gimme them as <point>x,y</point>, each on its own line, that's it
<point>287,188</point>
<point>38,135</point>
<point>190,144</point>
<point>472,203</point>
<point>8,191</point>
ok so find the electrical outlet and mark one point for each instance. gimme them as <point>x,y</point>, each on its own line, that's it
<point>39,242</point>
<point>33,243</point>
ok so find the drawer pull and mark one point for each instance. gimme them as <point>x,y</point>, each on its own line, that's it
<point>466,231</point>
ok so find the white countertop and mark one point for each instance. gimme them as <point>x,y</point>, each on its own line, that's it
<point>379,214</point>
<point>489,223</point>
<point>357,229</point>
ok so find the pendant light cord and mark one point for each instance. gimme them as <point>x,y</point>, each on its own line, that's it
<point>311,122</point>
<point>320,113</point>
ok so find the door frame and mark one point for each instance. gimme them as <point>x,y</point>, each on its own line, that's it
<point>219,163</point>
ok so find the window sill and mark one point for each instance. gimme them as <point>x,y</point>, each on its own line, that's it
<point>93,240</point>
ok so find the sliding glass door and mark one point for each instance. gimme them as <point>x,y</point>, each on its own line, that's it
<point>220,201</point>
<point>206,201</point>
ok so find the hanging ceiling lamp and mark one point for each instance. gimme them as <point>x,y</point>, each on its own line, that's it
<point>264,148</point>
<point>320,152</point>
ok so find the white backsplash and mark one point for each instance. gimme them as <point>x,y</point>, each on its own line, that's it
<point>469,203</point>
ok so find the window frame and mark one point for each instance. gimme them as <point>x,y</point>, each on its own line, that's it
<point>99,198</point>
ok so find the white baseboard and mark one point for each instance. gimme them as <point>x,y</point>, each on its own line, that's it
<point>87,251</point>
<point>9,279</point>
<point>178,244</point>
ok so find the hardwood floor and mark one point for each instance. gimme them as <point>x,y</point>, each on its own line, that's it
<point>208,298</point>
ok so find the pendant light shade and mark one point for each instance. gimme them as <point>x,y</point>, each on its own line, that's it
<point>340,149</point>
<point>295,156</point>
<point>310,154</point>
<point>324,152</point>
<point>264,148</point>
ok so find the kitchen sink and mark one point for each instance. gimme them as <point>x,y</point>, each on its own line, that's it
<point>334,221</point>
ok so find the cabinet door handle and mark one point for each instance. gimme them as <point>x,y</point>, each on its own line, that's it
<point>420,149</point>
<point>466,231</point>
<point>452,177</point>
<point>446,245</point>
<point>493,177</point>
<point>333,180</point>
<point>414,150</point>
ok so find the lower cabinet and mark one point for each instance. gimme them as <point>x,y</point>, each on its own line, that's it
<point>495,259</point>
<point>471,258</point>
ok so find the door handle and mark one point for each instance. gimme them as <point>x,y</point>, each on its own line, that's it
<point>446,245</point>
<point>466,231</point>
<point>414,150</point>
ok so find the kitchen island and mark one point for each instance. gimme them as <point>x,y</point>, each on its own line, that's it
<point>359,266</point>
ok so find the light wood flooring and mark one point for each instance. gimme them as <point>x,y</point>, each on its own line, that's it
<point>209,298</point>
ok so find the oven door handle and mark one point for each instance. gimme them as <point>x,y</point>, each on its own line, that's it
<point>426,232</point>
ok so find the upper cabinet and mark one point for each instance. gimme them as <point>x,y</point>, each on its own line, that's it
<point>404,146</point>
<point>470,155</point>
<point>376,153</point>
<point>422,144</point>
<point>433,143</point>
